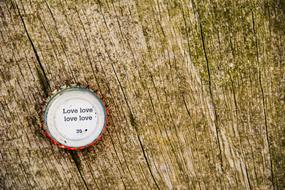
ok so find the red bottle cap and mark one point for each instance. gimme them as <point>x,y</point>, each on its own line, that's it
<point>74,118</point>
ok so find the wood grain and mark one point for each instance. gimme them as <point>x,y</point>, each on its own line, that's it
<point>195,89</point>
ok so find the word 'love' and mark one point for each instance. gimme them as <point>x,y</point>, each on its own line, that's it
<point>81,110</point>
<point>80,118</point>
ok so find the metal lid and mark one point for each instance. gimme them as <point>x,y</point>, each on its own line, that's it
<point>74,117</point>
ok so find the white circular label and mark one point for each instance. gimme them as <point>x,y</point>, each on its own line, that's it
<point>75,117</point>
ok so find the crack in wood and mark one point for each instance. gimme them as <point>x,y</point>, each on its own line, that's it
<point>40,69</point>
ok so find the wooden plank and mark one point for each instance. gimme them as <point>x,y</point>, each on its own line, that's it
<point>195,89</point>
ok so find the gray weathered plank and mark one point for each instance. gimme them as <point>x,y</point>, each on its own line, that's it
<point>195,89</point>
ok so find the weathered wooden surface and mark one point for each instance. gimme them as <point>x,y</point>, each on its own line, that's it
<point>196,92</point>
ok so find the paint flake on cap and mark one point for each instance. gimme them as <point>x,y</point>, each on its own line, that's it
<point>74,117</point>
